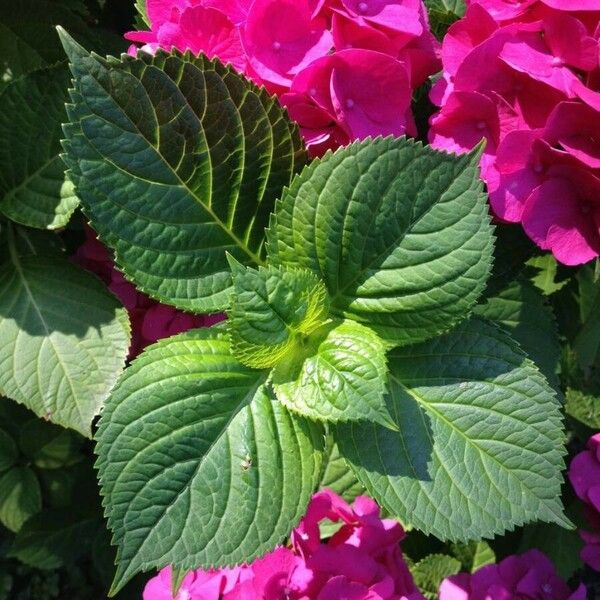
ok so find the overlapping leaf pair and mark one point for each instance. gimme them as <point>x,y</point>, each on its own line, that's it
<point>348,323</point>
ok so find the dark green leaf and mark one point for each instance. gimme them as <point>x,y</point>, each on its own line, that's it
<point>584,407</point>
<point>429,573</point>
<point>177,160</point>
<point>474,555</point>
<point>9,453</point>
<point>480,445</point>
<point>522,309</point>
<point>54,538</point>
<point>338,476</point>
<point>398,233</point>
<point>33,187</point>
<point>20,497</point>
<point>49,446</point>
<point>199,465</point>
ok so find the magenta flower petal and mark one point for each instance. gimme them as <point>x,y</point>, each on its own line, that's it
<point>370,93</point>
<point>281,39</point>
<point>568,40</point>
<point>576,128</point>
<point>161,11</point>
<point>557,219</point>
<point>466,34</point>
<point>504,10</point>
<point>205,30</point>
<point>357,33</point>
<point>159,587</point>
<point>574,5</point>
<point>236,10</point>
<point>398,16</point>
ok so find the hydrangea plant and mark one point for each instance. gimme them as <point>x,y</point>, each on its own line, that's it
<point>349,319</point>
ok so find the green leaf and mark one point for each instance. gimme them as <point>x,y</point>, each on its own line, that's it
<point>33,187</point>
<point>398,233</point>
<point>272,310</point>
<point>429,573</point>
<point>442,13</point>
<point>49,446</point>
<point>339,374</point>
<point>586,345</point>
<point>480,445</point>
<point>583,407</point>
<point>337,475</point>
<point>28,39</point>
<point>523,310</point>
<point>199,465</point>
<point>54,538</point>
<point>140,6</point>
<point>475,555</point>
<point>64,338</point>
<point>546,269</point>
<point>20,497</point>
<point>9,453</point>
<point>176,161</point>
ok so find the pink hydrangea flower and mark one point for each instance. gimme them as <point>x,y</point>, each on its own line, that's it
<point>584,474</point>
<point>345,69</point>
<point>150,321</point>
<point>530,575</point>
<point>361,561</point>
<point>522,75</point>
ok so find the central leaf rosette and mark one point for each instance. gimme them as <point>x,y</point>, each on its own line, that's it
<point>323,368</point>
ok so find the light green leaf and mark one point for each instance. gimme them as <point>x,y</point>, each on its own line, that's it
<point>523,310</point>
<point>49,446</point>
<point>398,233</point>
<point>546,269</point>
<point>54,538</point>
<point>20,497</point>
<point>176,161</point>
<point>583,407</point>
<point>338,375</point>
<point>142,15</point>
<point>475,555</point>
<point>337,475</point>
<point>480,445</point>
<point>272,311</point>
<point>9,453</point>
<point>33,188</point>
<point>429,573</point>
<point>64,338</point>
<point>199,465</point>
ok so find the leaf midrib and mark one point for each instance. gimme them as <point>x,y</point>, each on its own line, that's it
<point>238,242</point>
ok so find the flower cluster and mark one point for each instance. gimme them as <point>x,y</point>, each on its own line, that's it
<point>584,473</point>
<point>362,560</point>
<point>345,69</point>
<point>530,575</point>
<point>150,321</point>
<point>523,75</point>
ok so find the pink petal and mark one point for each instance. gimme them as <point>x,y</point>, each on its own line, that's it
<point>465,119</point>
<point>568,40</point>
<point>281,39</point>
<point>553,218</point>
<point>338,588</point>
<point>527,53</point>
<point>574,5</point>
<point>456,587</point>
<point>576,127</point>
<point>370,93</point>
<point>236,10</point>
<point>161,11</point>
<point>205,30</point>
<point>464,35</point>
<point>504,10</point>
<point>357,33</point>
<point>398,16</point>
